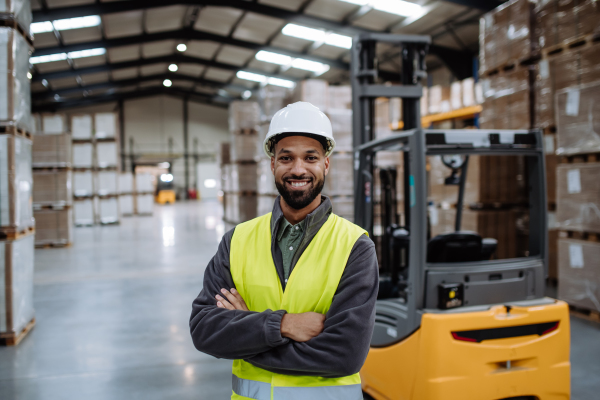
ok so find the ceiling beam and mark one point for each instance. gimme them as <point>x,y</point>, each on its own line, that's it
<point>135,81</point>
<point>178,58</point>
<point>107,98</point>
<point>483,5</point>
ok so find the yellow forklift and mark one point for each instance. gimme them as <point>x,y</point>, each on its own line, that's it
<point>453,320</point>
<point>165,193</point>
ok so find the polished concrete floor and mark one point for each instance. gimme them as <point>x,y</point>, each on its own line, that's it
<point>112,317</point>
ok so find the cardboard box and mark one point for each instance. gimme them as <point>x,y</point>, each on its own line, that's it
<point>83,155</point>
<point>224,153</point>
<point>382,118</point>
<point>341,123</point>
<point>53,226</point>
<point>507,100</point>
<point>126,204</point>
<point>107,183</point>
<point>243,115</point>
<point>243,178</point>
<point>144,183</point>
<point>144,204</point>
<point>340,179</point>
<point>15,92</point>
<point>126,183</point>
<point>314,91</point>
<point>82,127</point>
<point>339,97</point>
<point>551,164</point>
<point>107,154</point>
<point>83,183</point>
<point>266,180</point>
<point>51,150</point>
<point>108,210</point>
<point>106,125</point>
<point>562,21</point>
<point>248,146</point>
<point>83,212</point>
<point>579,273</point>
<point>265,204</point>
<point>54,123</point>
<point>16,285</point>
<point>578,197</point>
<point>439,99</point>
<point>272,99</point>
<point>343,207</point>
<point>456,100</point>
<point>16,183</point>
<point>578,120</point>
<point>52,187</point>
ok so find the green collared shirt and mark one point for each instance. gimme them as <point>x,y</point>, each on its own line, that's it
<point>288,239</point>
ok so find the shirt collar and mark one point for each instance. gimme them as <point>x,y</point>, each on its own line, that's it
<point>318,216</point>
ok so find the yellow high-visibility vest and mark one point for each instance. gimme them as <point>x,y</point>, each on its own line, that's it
<point>310,287</point>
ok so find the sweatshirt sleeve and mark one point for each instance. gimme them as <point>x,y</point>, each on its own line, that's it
<point>231,334</point>
<point>342,347</point>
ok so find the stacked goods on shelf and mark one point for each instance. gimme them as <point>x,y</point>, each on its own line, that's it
<point>52,188</point>
<point>579,273</point>
<point>82,133</point>
<point>126,193</point>
<point>240,176</point>
<point>460,95</point>
<point>314,91</point>
<point>17,235</point>
<point>144,193</point>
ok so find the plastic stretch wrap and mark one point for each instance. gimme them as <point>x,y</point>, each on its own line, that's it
<point>15,91</point>
<point>266,180</point>
<point>579,273</point>
<point>439,99</point>
<point>339,97</point>
<point>344,207</point>
<point>272,99</point>
<point>16,182</point>
<point>126,204</point>
<point>107,183</point>
<point>265,204</point>
<point>244,177</point>
<point>501,225</point>
<point>507,34</point>
<point>106,154</point>
<point>468,97</point>
<point>314,91</point>
<point>19,10</point>
<point>54,123</point>
<point>81,126</point>
<point>223,153</point>
<point>578,120</point>
<point>340,180</point>
<point>108,210</point>
<point>83,155</point>
<point>144,204</point>
<point>248,147</point>
<point>52,150</point>
<point>125,182</point>
<point>240,208</point>
<point>144,183</point>
<point>83,212</point>
<point>243,115</point>
<point>83,183</point>
<point>507,100</point>
<point>341,123</point>
<point>53,226</point>
<point>105,125</point>
<point>578,197</point>
<point>562,21</point>
<point>16,285</point>
<point>456,99</point>
<point>52,187</point>
<point>572,68</point>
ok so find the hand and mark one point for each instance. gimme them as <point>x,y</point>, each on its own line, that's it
<point>302,327</point>
<point>232,301</point>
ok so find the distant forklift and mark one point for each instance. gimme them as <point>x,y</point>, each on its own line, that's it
<point>164,189</point>
<point>451,321</point>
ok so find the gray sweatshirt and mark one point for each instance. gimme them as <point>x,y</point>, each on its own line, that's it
<point>255,337</point>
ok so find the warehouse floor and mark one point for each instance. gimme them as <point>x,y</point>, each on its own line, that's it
<point>113,309</point>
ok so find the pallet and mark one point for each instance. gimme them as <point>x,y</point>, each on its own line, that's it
<point>578,42</point>
<point>549,130</point>
<point>51,167</point>
<point>105,140</point>
<point>590,315</point>
<point>48,245</point>
<point>511,65</point>
<point>245,131</point>
<point>579,158</point>
<point>13,339</point>
<point>587,236</point>
<point>15,233</point>
<point>13,130</point>
<point>495,206</point>
<point>8,20</point>
<point>53,206</point>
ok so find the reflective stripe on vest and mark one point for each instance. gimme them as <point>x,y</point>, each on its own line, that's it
<point>310,287</point>
<point>262,391</point>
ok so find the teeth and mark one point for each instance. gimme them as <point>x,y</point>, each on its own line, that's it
<point>298,184</point>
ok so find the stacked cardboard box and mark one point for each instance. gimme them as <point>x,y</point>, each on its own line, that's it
<point>143,193</point>
<point>579,273</point>
<point>16,180</point>
<point>126,203</point>
<point>314,91</point>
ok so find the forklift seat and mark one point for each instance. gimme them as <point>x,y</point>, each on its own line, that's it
<point>462,246</point>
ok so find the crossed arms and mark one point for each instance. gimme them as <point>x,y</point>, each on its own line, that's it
<point>333,345</point>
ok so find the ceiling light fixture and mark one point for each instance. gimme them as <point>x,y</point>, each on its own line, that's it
<point>167,83</point>
<point>308,65</point>
<point>87,53</point>
<point>299,63</point>
<point>63,56</point>
<point>48,58</point>
<point>41,27</point>
<point>333,39</point>
<point>317,35</point>
<point>250,76</point>
<point>77,23</point>
<point>246,94</point>
<point>173,67</point>
<point>398,7</point>
<point>274,58</point>
<point>181,47</point>
<point>29,76</point>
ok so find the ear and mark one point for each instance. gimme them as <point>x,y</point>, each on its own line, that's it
<point>326,165</point>
<point>273,165</point>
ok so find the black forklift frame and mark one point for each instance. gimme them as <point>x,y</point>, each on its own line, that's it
<point>517,281</point>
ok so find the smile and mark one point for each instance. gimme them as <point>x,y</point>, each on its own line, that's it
<point>298,184</point>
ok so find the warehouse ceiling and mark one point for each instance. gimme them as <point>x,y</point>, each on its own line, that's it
<point>91,51</point>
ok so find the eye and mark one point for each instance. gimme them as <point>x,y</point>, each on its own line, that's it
<point>312,158</point>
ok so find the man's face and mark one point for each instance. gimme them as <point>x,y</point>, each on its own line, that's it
<point>299,166</point>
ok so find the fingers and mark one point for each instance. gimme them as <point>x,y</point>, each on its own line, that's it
<point>222,303</point>
<point>235,299</point>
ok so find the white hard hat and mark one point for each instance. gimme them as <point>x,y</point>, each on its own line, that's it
<point>302,118</point>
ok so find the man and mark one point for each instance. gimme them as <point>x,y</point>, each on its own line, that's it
<point>290,296</point>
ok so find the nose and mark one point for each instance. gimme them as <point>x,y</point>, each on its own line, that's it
<point>298,167</point>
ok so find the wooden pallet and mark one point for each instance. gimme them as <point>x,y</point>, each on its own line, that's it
<point>49,245</point>
<point>579,158</point>
<point>588,236</point>
<point>53,206</point>
<point>14,233</point>
<point>245,131</point>
<point>13,130</point>
<point>8,20</point>
<point>13,339</point>
<point>578,42</point>
<point>590,315</point>
<point>511,65</point>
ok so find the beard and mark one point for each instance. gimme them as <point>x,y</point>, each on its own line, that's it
<point>299,199</point>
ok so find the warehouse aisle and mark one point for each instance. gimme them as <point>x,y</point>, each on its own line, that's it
<point>112,314</point>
